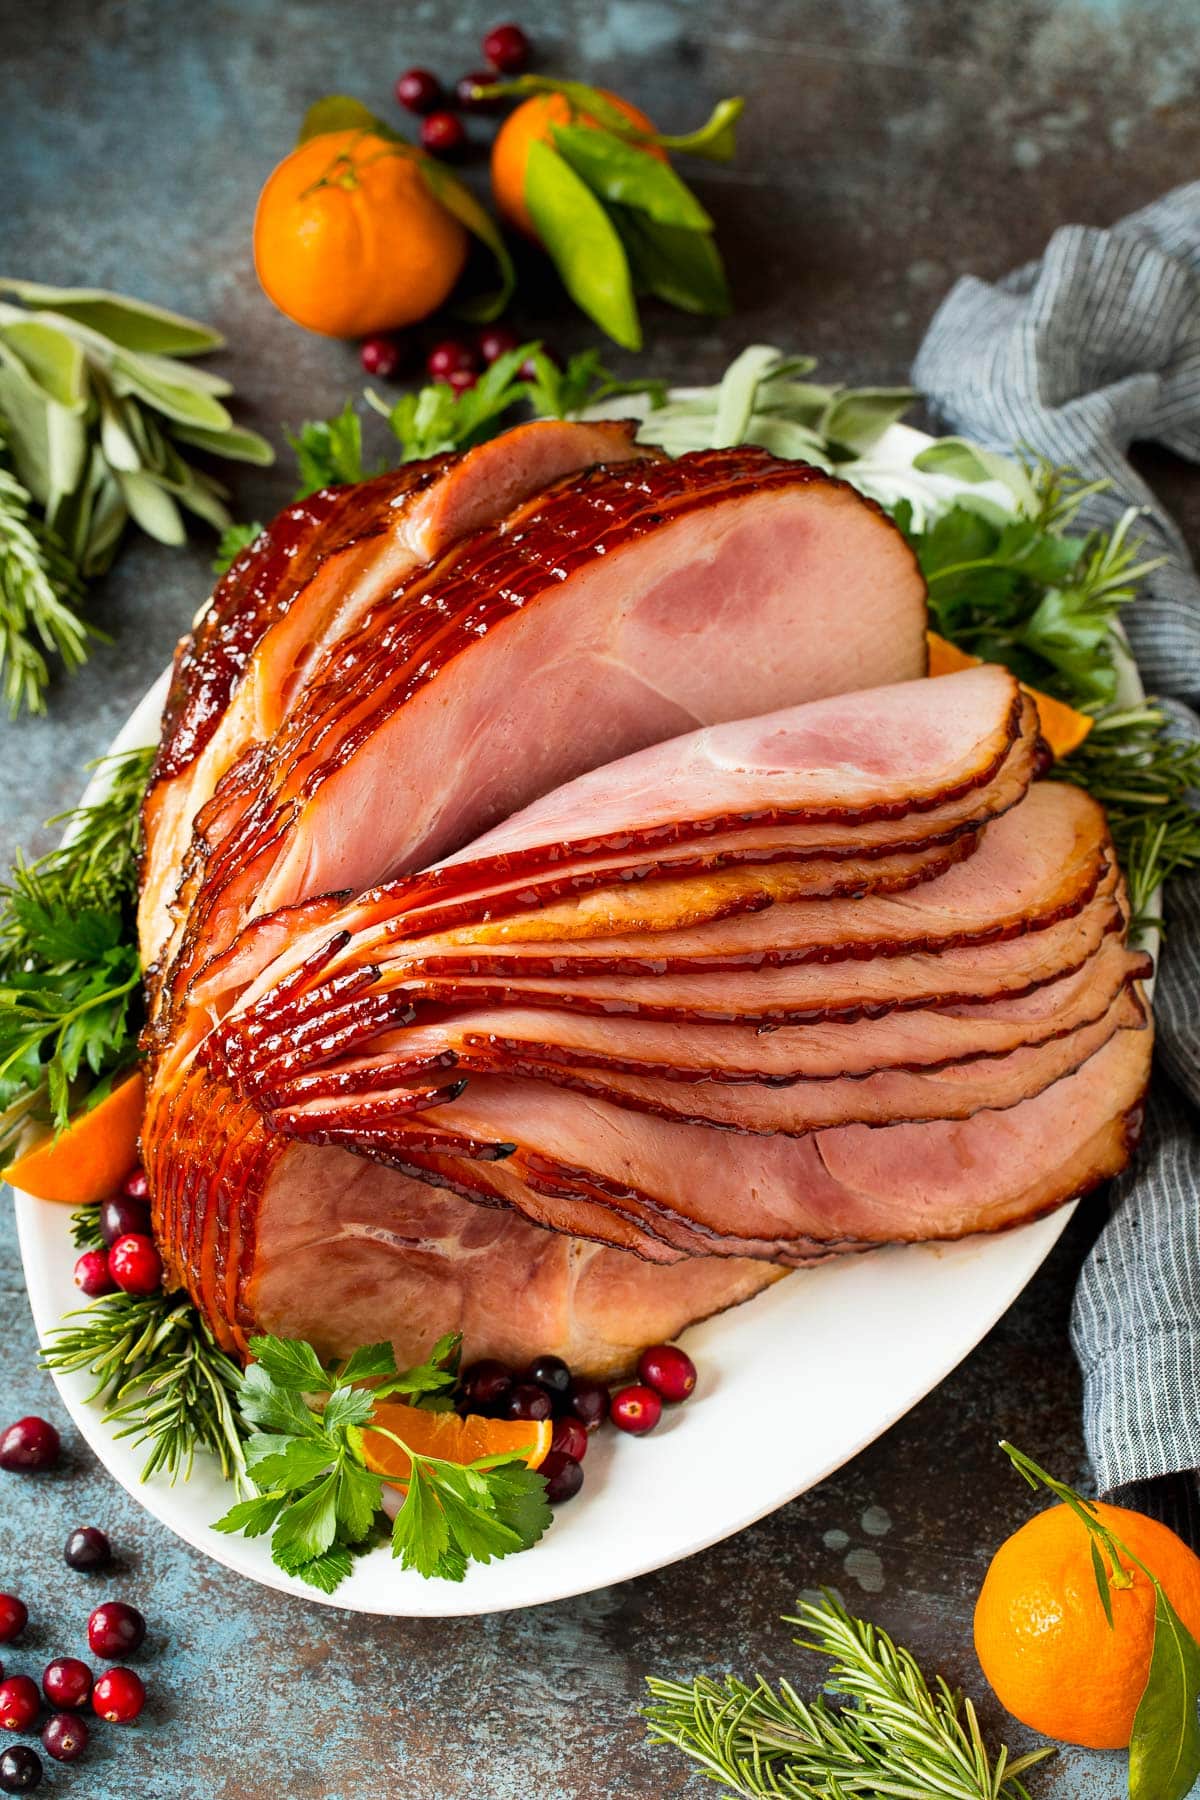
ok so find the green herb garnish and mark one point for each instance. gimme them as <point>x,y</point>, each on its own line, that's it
<point>70,978</point>
<point>890,1732</point>
<point>320,1501</point>
<point>102,413</point>
<point>163,1379</point>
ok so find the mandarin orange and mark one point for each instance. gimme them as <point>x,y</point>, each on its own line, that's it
<point>449,1436</point>
<point>88,1161</point>
<point>349,239</point>
<point>1041,1634</point>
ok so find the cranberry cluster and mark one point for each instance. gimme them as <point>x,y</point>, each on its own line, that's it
<point>578,1406</point>
<point>129,1260</point>
<point>118,1694</point>
<point>506,48</point>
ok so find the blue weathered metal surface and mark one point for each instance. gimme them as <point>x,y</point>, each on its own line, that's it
<point>890,145</point>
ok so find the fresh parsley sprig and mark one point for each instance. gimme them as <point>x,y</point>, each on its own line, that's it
<point>321,1501</point>
<point>892,1733</point>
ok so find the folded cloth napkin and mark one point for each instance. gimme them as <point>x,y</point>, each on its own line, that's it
<point>1095,347</point>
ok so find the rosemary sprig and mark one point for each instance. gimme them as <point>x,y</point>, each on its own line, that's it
<point>85,1228</point>
<point>891,1733</point>
<point>40,596</point>
<point>1148,780</point>
<point>162,1377</point>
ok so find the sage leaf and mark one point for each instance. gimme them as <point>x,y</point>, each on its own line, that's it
<point>172,398</point>
<point>970,462</point>
<point>66,453</point>
<point>134,324</point>
<point>737,392</point>
<point>52,359</point>
<point>1164,1752</point>
<point>237,443</point>
<point>23,408</point>
<point>151,507</point>
<point>681,267</point>
<point>627,175</point>
<point>583,244</point>
<point>858,418</point>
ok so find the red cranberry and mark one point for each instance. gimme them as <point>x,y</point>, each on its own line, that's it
<point>87,1549</point>
<point>588,1401</point>
<point>135,1264</point>
<point>380,356</point>
<point>115,1628</point>
<point>496,341</point>
<point>449,355</point>
<point>67,1682</point>
<point>14,1616</point>
<point>461,379</point>
<point>443,135</point>
<point>92,1274</point>
<point>65,1737</point>
<point>569,1439</point>
<point>20,1703</point>
<point>469,99</point>
<point>119,1696</point>
<point>29,1446</point>
<point>564,1477</point>
<point>419,90</point>
<point>120,1217</point>
<point>136,1185</point>
<point>485,1384</point>
<point>528,1402</point>
<point>507,49</point>
<point>669,1370</point>
<point>20,1770</point>
<point>636,1410</point>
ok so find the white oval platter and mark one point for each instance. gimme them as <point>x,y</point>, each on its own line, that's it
<point>792,1384</point>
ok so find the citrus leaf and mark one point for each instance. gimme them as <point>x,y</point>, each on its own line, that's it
<point>583,244</point>
<point>133,324</point>
<point>715,138</point>
<point>627,175</point>
<point>681,267</point>
<point>1164,1752</point>
<point>1101,1574</point>
<point>459,200</point>
<point>340,112</point>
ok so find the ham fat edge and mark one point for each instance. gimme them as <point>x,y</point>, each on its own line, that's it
<point>567,906</point>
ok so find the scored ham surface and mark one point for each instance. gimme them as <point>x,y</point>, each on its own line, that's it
<point>616,609</point>
<point>559,930</point>
<point>302,586</point>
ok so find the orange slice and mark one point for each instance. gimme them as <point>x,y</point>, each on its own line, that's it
<point>89,1160</point>
<point>445,1434</point>
<point>1063,728</point>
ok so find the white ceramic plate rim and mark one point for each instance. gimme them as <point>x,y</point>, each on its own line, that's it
<point>793,1384</point>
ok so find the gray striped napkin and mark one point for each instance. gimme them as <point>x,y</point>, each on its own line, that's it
<point>1093,348</point>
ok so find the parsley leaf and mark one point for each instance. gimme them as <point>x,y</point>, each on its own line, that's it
<point>328,451</point>
<point>233,540</point>
<point>321,1501</point>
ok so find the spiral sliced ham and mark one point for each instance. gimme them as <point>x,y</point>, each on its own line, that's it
<point>561,930</point>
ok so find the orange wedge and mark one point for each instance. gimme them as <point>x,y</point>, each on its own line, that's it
<point>89,1159</point>
<point>445,1434</point>
<point>1063,728</point>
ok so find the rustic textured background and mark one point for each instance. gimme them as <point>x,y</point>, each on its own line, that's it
<point>889,146</point>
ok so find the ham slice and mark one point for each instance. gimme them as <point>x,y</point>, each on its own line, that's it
<point>653,1185</point>
<point>615,610</point>
<point>306,583</point>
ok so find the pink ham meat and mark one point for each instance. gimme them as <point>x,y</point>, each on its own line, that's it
<point>305,584</point>
<point>615,610</point>
<point>968,760</point>
<point>657,1187</point>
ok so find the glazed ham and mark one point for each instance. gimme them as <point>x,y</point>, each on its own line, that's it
<point>571,909</point>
